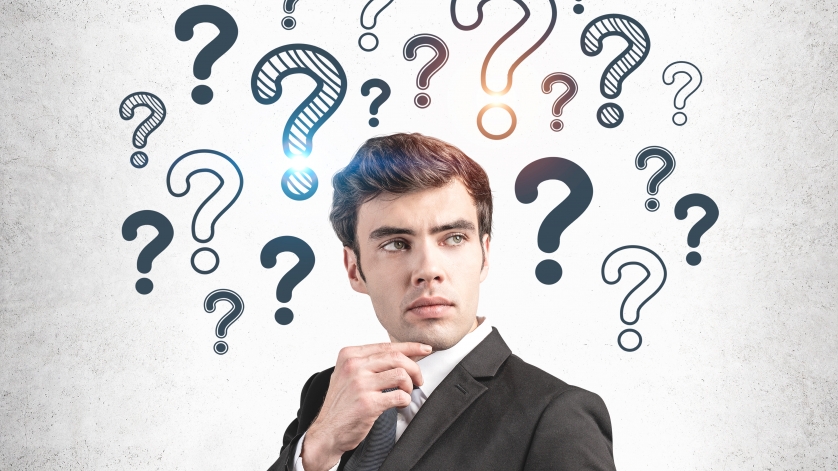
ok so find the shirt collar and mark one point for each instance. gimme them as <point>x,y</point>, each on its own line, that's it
<point>436,366</point>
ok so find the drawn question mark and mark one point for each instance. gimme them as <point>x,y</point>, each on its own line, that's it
<point>369,17</point>
<point>178,181</point>
<point>300,183</point>
<point>149,125</point>
<point>658,177</point>
<point>711,215</point>
<point>686,90</point>
<point>367,87</point>
<point>228,31</point>
<point>612,273</point>
<point>288,6</point>
<point>165,234</point>
<point>228,318</point>
<point>423,80</point>
<point>295,275</point>
<point>511,69</point>
<point>563,99</point>
<point>549,271</point>
<point>610,115</point>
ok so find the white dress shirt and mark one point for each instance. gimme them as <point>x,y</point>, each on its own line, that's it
<point>435,367</point>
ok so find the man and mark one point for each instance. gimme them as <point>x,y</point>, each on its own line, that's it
<point>415,215</point>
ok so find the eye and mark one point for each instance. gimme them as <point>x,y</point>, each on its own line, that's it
<point>455,239</point>
<point>395,246</point>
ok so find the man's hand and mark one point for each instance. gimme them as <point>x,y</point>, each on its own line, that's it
<point>354,399</point>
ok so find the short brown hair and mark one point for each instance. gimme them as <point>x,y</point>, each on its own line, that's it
<point>398,164</point>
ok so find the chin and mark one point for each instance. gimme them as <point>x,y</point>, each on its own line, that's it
<point>437,333</point>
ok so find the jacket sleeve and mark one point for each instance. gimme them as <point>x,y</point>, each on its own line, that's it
<point>573,433</point>
<point>292,435</point>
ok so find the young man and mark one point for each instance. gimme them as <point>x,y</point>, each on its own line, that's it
<point>415,217</point>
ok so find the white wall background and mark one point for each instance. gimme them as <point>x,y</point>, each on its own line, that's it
<point>738,364</point>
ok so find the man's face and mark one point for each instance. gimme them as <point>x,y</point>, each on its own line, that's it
<point>422,260</point>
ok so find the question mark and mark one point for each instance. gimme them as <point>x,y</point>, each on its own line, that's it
<point>662,174</point>
<point>228,31</point>
<point>627,256</point>
<point>711,215</point>
<point>610,115</point>
<point>295,275</point>
<point>548,271</point>
<point>330,88</point>
<point>563,99</point>
<point>367,87</point>
<point>148,126</point>
<point>165,234</point>
<point>423,80</point>
<point>227,319</point>
<point>693,82</point>
<point>368,21</point>
<point>212,162</point>
<point>288,6</point>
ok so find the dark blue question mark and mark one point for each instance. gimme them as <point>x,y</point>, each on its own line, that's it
<point>295,275</point>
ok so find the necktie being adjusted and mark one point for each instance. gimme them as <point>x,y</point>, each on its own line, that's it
<point>373,450</point>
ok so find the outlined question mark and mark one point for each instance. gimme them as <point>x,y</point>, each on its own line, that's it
<point>228,31</point>
<point>369,17</point>
<point>165,234</point>
<point>288,7</point>
<point>228,318</point>
<point>633,255</point>
<point>382,86</point>
<point>658,177</point>
<point>549,271</point>
<point>149,125</point>
<point>686,90</point>
<point>423,79</point>
<point>295,275</point>
<point>711,215</point>
<point>610,115</point>
<point>563,99</point>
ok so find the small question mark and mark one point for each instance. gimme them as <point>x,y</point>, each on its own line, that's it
<point>148,126</point>
<point>367,87</point>
<point>288,6</point>
<point>563,99</point>
<point>330,88</point>
<point>295,275</point>
<point>228,31</point>
<point>369,17</point>
<point>610,115</point>
<point>627,256</point>
<point>658,177</point>
<point>548,271</point>
<point>423,80</point>
<point>227,319</point>
<point>711,215</point>
<point>165,234</point>
<point>180,175</point>
<point>686,90</point>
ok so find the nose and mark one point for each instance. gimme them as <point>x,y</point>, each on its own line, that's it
<point>429,268</point>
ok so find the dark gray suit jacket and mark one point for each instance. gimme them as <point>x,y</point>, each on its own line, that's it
<point>492,412</point>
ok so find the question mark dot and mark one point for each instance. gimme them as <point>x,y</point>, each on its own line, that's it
<point>373,122</point>
<point>610,115</point>
<point>629,331</point>
<point>556,125</point>
<point>289,22</point>
<point>422,100</point>
<point>202,94</point>
<point>548,272</point>
<point>144,286</point>
<point>220,348</point>
<point>693,258</point>
<point>679,119</point>
<point>139,159</point>
<point>652,204</point>
<point>578,9</point>
<point>284,316</point>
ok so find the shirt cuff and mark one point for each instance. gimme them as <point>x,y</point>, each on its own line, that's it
<point>298,461</point>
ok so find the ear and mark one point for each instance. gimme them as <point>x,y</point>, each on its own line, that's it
<point>484,271</point>
<point>351,264</point>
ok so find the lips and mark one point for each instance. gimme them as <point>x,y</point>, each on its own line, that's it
<point>430,307</point>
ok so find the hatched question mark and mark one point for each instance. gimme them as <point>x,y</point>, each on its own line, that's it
<point>295,275</point>
<point>658,177</point>
<point>149,125</point>
<point>228,31</point>
<point>382,86</point>
<point>369,17</point>
<point>165,234</point>
<point>686,90</point>
<point>711,215</point>
<point>228,318</point>
<point>423,79</point>
<point>563,99</point>
<point>549,271</point>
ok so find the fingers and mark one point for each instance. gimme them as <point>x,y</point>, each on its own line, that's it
<point>405,348</point>
<point>395,378</point>
<point>385,361</point>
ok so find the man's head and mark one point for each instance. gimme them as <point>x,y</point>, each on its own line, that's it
<point>416,214</point>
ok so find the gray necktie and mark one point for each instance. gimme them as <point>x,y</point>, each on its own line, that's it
<point>373,450</point>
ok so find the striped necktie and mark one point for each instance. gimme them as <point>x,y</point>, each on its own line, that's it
<point>373,450</point>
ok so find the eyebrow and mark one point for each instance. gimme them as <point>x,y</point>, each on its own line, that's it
<point>386,231</point>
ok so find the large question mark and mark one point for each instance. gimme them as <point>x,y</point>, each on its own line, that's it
<point>563,99</point>
<point>711,215</point>
<point>180,176</point>
<point>423,80</point>
<point>228,318</point>
<point>627,256</point>
<point>295,275</point>
<point>686,90</point>
<point>610,115</point>
<point>165,234</point>
<point>549,233</point>
<point>369,17</point>
<point>330,88</point>
<point>382,86</point>
<point>511,70</point>
<point>228,31</point>
<point>153,121</point>
<point>658,177</point>
<point>288,6</point>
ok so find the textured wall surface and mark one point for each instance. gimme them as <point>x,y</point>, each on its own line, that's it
<point>738,364</point>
